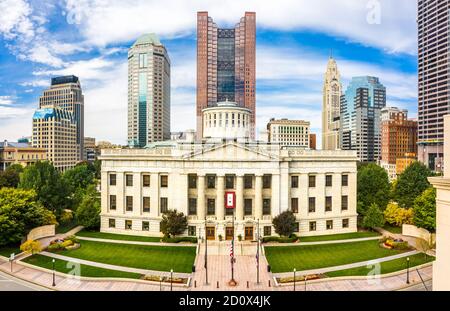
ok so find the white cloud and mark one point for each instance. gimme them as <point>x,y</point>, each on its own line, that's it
<point>36,83</point>
<point>6,100</point>
<point>15,19</point>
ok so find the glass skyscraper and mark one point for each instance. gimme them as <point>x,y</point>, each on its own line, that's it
<point>361,117</point>
<point>225,65</point>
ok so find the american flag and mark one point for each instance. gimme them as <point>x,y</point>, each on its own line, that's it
<point>232,249</point>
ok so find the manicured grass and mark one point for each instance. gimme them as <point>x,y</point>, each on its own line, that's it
<point>6,251</point>
<point>385,267</point>
<point>306,257</point>
<point>393,229</point>
<point>113,236</point>
<point>343,236</point>
<point>87,271</point>
<point>159,258</point>
<point>66,227</point>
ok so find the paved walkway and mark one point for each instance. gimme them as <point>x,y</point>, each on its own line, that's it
<point>136,242</point>
<point>46,241</point>
<point>348,266</point>
<point>324,242</point>
<point>114,267</point>
<point>411,240</point>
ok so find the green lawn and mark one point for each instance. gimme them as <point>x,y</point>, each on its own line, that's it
<point>113,236</point>
<point>306,257</point>
<point>344,236</point>
<point>159,258</point>
<point>386,267</point>
<point>87,271</point>
<point>392,229</point>
<point>6,251</point>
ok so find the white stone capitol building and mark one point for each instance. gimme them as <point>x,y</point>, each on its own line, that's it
<point>139,185</point>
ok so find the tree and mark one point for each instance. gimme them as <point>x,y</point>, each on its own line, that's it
<point>51,189</point>
<point>173,223</point>
<point>19,213</point>
<point>373,187</point>
<point>31,247</point>
<point>425,210</point>
<point>78,180</point>
<point>411,183</point>
<point>88,213</point>
<point>373,218</point>
<point>11,176</point>
<point>398,216</point>
<point>284,223</point>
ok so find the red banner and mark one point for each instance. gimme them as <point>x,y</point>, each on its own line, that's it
<point>230,200</point>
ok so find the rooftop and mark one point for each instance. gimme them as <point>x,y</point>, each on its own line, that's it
<point>149,38</point>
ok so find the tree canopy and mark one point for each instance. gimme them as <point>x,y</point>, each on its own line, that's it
<point>11,176</point>
<point>284,223</point>
<point>88,213</point>
<point>373,218</point>
<point>173,223</point>
<point>373,187</point>
<point>411,183</point>
<point>425,210</point>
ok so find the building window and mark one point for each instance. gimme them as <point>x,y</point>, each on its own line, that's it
<point>248,210</point>
<point>143,60</point>
<point>328,204</point>
<point>112,179</point>
<point>266,207</point>
<point>312,181</point>
<point>146,205</point>
<point>164,181</point>
<point>344,203</point>
<point>267,230</point>
<point>163,205</point>
<point>146,180</point>
<point>294,181</point>
<point>229,181</point>
<point>267,181</point>
<point>211,207</point>
<point>344,180</point>
<point>192,209</point>
<point>145,226</point>
<point>229,211</point>
<point>328,181</point>
<point>192,230</point>
<point>312,226</point>
<point>329,225</point>
<point>129,204</point>
<point>128,225</point>
<point>211,181</point>
<point>294,205</point>
<point>192,181</point>
<point>112,223</point>
<point>345,223</point>
<point>129,180</point>
<point>112,202</point>
<point>248,182</point>
<point>312,205</point>
<point>296,227</point>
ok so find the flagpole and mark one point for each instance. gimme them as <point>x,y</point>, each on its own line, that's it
<point>257,257</point>
<point>206,254</point>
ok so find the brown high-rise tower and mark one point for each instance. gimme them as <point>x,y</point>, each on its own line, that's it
<point>225,65</point>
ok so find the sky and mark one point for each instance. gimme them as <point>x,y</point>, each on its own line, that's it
<point>40,39</point>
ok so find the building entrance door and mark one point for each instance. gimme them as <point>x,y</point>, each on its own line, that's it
<point>248,233</point>
<point>229,232</point>
<point>211,233</point>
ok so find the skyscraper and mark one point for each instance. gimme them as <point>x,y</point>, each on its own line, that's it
<point>434,97</point>
<point>226,65</point>
<point>148,92</point>
<point>332,91</point>
<point>360,117</point>
<point>58,124</point>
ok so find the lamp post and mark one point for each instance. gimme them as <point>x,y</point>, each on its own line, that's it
<point>11,259</point>
<point>171,278</point>
<point>295,270</point>
<point>53,267</point>
<point>407,270</point>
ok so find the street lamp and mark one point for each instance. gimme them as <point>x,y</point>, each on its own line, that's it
<point>295,270</point>
<point>407,270</point>
<point>171,277</point>
<point>53,267</point>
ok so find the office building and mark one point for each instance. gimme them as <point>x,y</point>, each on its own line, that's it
<point>289,132</point>
<point>148,92</point>
<point>90,149</point>
<point>312,141</point>
<point>361,117</point>
<point>226,68</point>
<point>19,153</point>
<point>403,162</point>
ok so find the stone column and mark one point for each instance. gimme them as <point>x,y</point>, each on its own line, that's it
<point>258,197</point>
<point>201,197</point>
<point>220,212</point>
<point>240,198</point>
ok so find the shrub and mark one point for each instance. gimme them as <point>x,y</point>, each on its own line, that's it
<point>398,216</point>
<point>66,217</point>
<point>188,239</point>
<point>55,247</point>
<point>72,238</point>
<point>66,243</point>
<point>292,239</point>
<point>31,247</point>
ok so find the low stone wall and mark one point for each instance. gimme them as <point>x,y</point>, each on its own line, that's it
<point>413,231</point>
<point>41,232</point>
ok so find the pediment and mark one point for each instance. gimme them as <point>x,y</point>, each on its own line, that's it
<point>232,152</point>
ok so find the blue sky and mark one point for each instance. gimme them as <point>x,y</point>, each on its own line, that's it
<point>41,39</point>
